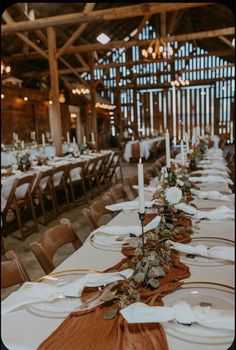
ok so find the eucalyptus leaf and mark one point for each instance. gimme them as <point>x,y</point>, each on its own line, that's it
<point>170,226</point>
<point>139,277</point>
<point>108,296</point>
<point>110,314</point>
<point>154,282</point>
<point>161,272</point>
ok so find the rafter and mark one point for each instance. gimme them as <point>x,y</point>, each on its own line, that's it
<point>7,18</point>
<point>105,15</point>
<point>88,7</point>
<point>131,63</point>
<point>226,41</point>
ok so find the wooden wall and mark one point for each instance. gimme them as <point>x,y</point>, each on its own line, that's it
<point>23,117</point>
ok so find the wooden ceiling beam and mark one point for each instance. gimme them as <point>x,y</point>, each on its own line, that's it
<point>127,44</point>
<point>104,14</point>
<point>7,18</point>
<point>163,24</point>
<point>72,70</point>
<point>226,41</point>
<point>88,7</point>
<point>173,21</point>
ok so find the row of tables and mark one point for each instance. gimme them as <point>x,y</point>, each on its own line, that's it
<point>22,329</point>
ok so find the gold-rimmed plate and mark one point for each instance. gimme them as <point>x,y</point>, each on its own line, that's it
<point>198,260</point>
<point>62,307</point>
<point>104,241</point>
<point>216,295</point>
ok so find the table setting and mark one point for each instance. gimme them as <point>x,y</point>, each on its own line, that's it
<point>160,273</point>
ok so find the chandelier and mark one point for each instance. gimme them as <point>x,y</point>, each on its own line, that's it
<point>5,69</point>
<point>81,90</point>
<point>179,81</point>
<point>157,49</point>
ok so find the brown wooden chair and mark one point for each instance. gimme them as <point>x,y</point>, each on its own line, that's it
<point>54,238</point>
<point>20,202</point>
<point>96,211</point>
<point>76,182</point>
<point>42,193</point>
<point>90,176</point>
<point>101,172</point>
<point>115,167</point>
<point>12,270</point>
<point>135,151</point>
<point>117,193</point>
<point>59,179</point>
<point>134,181</point>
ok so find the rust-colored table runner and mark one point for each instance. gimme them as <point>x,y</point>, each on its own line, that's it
<point>90,331</point>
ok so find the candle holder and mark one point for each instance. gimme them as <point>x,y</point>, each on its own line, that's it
<point>141,218</point>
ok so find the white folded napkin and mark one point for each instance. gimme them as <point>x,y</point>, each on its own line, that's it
<point>219,252</point>
<point>214,195</point>
<point>186,208</point>
<point>34,292</point>
<point>130,205</point>
<point>213,167</point>
<point>149,189</point>
<point>182,312</point>
<point>217,172</point>
<point>210,178</point>
<point>220,213</point>
<point>125,230</point>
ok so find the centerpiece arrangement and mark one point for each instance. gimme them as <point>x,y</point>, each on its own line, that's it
<point>23,161</point>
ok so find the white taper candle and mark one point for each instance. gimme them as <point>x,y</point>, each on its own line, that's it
<point>167,149</point>
<point>43,140</point>
<point>68,137</point>
<point>182,152</point>
<point>187,142</point>
<point>141,187</point>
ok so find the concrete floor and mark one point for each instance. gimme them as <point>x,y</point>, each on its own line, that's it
<point>82,229</point>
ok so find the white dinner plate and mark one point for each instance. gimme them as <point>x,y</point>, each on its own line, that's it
<point>210,242</point>
<point>60,308</point>
<point>105,241</point>
<point>217,296</point>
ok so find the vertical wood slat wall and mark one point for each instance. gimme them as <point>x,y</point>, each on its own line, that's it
<point>204,104</point>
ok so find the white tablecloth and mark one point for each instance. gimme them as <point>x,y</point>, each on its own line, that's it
<point>22,330</point>
<point>144,145</point>
<point>9,157</point>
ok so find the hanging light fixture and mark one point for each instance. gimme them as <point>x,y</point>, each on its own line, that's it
<point>5,69</point>
<point>179,81</point>
<point>157,50</point>
<point>80,90</point>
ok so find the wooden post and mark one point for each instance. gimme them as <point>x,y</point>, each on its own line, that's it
<point>54,109</point>
<point>93,98</point>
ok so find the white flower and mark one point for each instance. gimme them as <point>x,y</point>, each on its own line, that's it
<point>71,149</point>
<point>173,195</point>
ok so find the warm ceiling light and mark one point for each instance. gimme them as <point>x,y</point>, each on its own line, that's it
<point>25,98</point>
<point>8,69</point>
<point>103,38</point>
<point>233,42</point>
<point>50,102</point>
<point>2,96</point>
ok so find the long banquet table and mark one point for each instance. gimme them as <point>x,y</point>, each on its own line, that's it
<point>22,330</point>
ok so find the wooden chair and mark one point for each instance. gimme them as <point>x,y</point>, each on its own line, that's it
<point>12,270</point>
<point>134,181</point>
<point>135,151</point>
<point>115,166</point>
<point>60,174</point>
<point>20,202</point>
<point>116,193</point>
<point>91,176</point>
<point>54,238</point>
<point>96,211</point>
<point>101,172</point>
<point>42,193</point>
<point>76,182</point>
